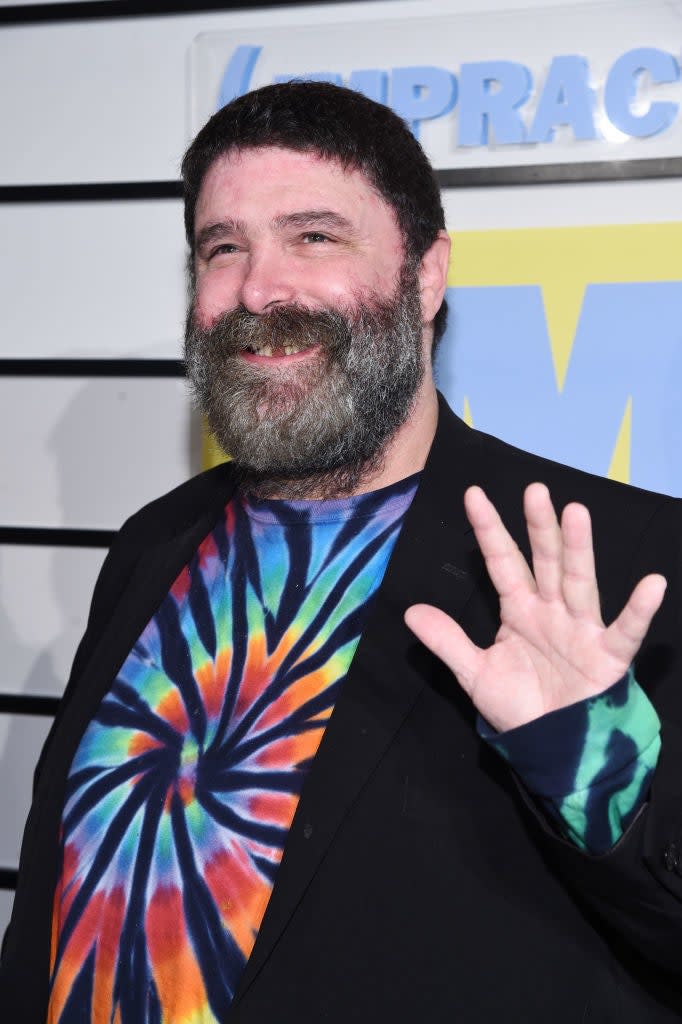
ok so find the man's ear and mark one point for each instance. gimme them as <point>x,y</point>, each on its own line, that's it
<point>433,275</point>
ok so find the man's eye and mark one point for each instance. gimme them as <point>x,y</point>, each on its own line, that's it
<point>315,236</point>
<point>227,248</point>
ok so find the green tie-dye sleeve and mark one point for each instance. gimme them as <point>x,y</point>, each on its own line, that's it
<point>590,764</point>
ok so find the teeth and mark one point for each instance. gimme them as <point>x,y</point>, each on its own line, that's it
<point>267,350</point>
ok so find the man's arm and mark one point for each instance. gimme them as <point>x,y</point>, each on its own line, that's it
<point>553,651</point>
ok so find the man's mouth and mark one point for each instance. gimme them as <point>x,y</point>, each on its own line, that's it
<point>289,350</point>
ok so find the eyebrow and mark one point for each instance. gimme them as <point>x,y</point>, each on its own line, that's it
<point>314,218</point>
<point>220,229</point>
<point>299,219</point>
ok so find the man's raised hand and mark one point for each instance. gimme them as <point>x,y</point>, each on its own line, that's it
<point>552,648</point>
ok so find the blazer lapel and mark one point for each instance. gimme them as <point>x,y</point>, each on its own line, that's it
<point>435,560</point>
<point>151,578</point>
<point>156,569</point>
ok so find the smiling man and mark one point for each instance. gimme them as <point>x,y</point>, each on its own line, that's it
<point>338,744</point>
<point>305,340</point>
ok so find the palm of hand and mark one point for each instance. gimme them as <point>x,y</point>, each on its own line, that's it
<point>542,659</point>
<point>552,648</point>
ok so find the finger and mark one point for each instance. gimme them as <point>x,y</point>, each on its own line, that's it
<point>506,566</point>
<point>625,635</point>
<point>544,534</point>
<point>447,640</point>
<point>579,581</point>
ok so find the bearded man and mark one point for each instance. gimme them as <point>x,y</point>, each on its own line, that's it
<point>264,796</point>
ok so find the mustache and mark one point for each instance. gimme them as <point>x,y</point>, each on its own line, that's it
<point>238,330</point>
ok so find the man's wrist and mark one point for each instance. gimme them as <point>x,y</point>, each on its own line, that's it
<point>590,763</point>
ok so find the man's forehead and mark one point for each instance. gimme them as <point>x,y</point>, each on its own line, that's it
<point>284,168</point>
<point>281,172</point>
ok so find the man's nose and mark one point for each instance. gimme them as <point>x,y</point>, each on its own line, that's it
<point>268,281</point>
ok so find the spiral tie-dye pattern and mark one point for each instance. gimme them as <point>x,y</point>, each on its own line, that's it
<point>184,786</point>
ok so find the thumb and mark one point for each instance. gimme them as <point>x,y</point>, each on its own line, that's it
<point>447,640</point>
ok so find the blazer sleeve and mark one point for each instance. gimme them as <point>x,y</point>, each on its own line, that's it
<point>111,582</point>
<point>636,888</point>
<point>23,988</point>
<point>173,524</point>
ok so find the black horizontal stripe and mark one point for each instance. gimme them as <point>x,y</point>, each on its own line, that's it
<point>56,536</point>
<point>560,174</point>
<point>92,367</point>
<point>8,878</point>
<point>27,704</point>
<point>79,192</point>
<point>37,13</point>
<point>452,177</point>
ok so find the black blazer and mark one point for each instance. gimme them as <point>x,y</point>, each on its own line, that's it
<point>418,881</point>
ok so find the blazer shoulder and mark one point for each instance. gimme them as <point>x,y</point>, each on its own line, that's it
<point>568,483</point>
<point>163,517</point>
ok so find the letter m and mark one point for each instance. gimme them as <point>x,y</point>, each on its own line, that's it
<point>626,354</point>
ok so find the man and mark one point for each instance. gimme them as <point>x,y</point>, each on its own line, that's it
<point>264,796</point>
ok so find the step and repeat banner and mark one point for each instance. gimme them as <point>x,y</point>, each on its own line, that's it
<point>556,131</point>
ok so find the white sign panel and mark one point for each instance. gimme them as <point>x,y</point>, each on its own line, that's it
<point>589,83</point>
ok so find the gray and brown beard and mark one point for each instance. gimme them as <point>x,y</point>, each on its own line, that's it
<point>314,428</point>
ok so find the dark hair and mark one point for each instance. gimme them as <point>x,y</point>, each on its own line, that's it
<point>339,124</point>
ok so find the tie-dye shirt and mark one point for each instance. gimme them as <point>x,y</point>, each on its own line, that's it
<point>184,786</point>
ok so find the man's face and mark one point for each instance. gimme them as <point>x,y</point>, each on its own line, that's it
<point>304,341</point>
